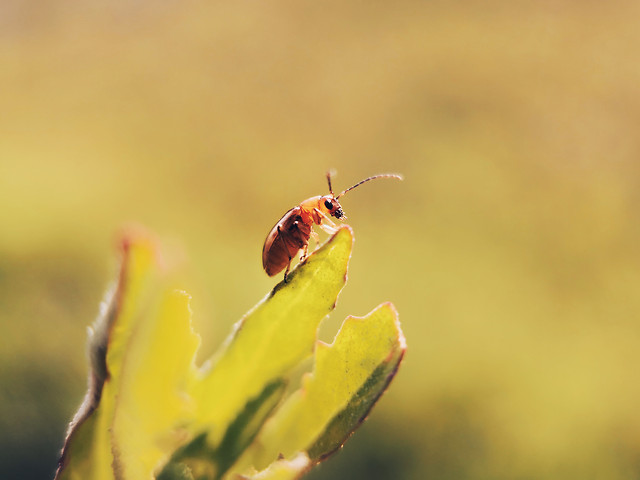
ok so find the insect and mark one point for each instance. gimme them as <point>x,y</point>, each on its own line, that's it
<point>293,231</point>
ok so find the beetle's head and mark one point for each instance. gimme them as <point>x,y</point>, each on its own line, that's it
<point>330,205</point>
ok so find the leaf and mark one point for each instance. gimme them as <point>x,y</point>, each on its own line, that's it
<point>272,339</point>
<point>151,413</point>
<point>87,449</point>
<point>354,413</point>
<point>275,336</point>
<point>152,399</point>
<point>205,460</point>
<point>349,376</point>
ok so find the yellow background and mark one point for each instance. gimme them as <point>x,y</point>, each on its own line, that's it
<point>511,250</point>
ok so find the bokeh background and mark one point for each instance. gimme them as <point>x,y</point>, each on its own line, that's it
<point>511,250</point>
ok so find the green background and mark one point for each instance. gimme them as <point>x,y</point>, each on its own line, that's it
<point>511,250</point>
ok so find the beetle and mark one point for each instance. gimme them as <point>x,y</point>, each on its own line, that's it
<point>293,231</point>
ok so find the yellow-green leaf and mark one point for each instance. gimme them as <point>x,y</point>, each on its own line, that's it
<point>87,453</point>
<point>151,413</point>
<point>152,399</point>
<point>348,377</point>
<point>273,337</point>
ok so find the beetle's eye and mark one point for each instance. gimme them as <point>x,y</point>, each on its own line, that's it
<point>328,204</point>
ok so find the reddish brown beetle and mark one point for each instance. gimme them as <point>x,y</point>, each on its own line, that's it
<point>291,234</point>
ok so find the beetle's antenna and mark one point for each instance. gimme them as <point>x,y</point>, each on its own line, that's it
<point>382,175</point>
<point>329,173</point>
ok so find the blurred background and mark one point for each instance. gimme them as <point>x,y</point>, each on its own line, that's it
<point>511,250</point>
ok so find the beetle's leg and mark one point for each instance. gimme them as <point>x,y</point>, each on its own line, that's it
<point>286,272</point>
<point>330,227</point>
<point>315,236</point>
<point>305,246</point>
<point>286,249</point>
<point>326,218</point>
<point>304,252</point>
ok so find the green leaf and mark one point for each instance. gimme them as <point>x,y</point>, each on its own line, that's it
<point>151,413</point>
<point>348,377</point>
<point>265,346</point>
<point>87,449</point>
<point>152,399</point>
<point>382,321</point>
<point>205,460</point>
<point>274,336</point>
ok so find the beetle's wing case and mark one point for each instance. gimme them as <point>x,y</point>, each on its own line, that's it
<point>286,241</point>
<point>269,241</point>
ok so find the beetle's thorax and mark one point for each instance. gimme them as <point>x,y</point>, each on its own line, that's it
<point>307,208</point>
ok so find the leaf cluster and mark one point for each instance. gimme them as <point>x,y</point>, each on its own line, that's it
<point>151,412</point>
